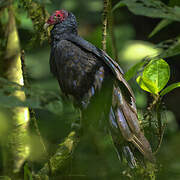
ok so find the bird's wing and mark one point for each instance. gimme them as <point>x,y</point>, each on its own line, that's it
<point>113,65</point>
<point>79,72</point>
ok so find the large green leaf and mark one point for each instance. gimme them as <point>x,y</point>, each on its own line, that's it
<point>151,8</point>
<point>170,88</point>
<point>155,76</point>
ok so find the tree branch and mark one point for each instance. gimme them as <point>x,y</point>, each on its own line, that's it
<point>60,159</point>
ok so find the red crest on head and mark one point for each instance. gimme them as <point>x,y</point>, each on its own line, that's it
<point>57,17</point>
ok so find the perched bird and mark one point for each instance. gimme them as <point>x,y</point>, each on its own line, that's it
<point>85,73</point>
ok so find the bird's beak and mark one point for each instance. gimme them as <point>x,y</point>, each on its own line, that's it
<point>46,25</point>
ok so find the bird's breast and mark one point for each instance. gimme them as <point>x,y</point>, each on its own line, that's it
<point>77,73</point>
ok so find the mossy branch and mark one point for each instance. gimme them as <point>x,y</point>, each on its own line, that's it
<point>60,159</point>
<point>38,15</point>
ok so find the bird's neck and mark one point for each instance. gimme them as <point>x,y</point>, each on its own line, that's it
<point>61,32</point>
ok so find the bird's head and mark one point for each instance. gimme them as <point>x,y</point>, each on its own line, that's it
<point>63,22</point>
<point>57,17</point>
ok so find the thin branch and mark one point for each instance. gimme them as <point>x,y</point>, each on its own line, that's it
<point>155,106</point>
<point>160,140</point>
<point>104,24</point>
<point>111,30</point>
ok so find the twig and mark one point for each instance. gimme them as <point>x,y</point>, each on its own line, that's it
<point>111,30</point>
<point>104,24</point>
<point>23,67</point>
<point>150,108</point>
<point>160,141</point>
<point>155,105</point>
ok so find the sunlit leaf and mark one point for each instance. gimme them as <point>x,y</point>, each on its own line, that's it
<point>162,24</point>
<point>155,76</point>
<point>146,85</point>
<point>151,8</point>
<point>170,88</point>
<point>133,70</point>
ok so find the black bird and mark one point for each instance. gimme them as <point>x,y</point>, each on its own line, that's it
<point>85,72</point>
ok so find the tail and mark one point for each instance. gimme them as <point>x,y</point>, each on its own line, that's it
<point>142,144</point>
<point>123,117</point>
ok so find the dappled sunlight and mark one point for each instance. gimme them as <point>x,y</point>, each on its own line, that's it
<point>135,51</point>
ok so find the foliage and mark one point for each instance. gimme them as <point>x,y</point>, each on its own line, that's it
<point>152,75</point>
<point>151,8</point>
<point>156,73</point>
<point>155,76</point>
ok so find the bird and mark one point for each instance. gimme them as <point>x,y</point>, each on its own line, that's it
<point>94,81</point>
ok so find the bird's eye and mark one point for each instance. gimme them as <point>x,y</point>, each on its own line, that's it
<point>58,15</point>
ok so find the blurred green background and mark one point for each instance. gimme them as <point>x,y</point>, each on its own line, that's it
<point>131,34</point>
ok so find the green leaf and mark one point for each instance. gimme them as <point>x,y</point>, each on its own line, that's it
<point>133,70</point>
<point>151,8</point>
<point>146,84</point>
<point>27,173</point>
<point>118,5</point>
<point>169,47</point>
<point>169,88</point>
<point>155,76</point>
<point>162,24</point>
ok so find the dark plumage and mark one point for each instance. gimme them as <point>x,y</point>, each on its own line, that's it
<point>83,71</point>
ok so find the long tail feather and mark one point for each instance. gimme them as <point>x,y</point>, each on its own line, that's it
<point>143,146</point>
<point>126,117</point>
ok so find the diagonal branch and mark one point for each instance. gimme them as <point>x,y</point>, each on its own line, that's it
<point>60,159</point>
